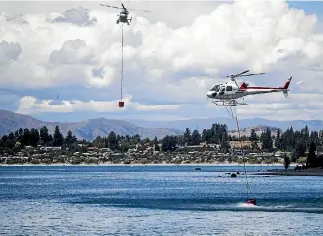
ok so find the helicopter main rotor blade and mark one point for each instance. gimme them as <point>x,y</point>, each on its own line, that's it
<point>138,10</point>
<point>237,75</point>
<point>110,6</point>
<point>123,6</point>
<point>253,74</point>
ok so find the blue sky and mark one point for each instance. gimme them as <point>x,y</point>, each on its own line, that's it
<point>170,63</point>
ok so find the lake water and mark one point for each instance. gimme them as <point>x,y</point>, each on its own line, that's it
<point>156,200</point>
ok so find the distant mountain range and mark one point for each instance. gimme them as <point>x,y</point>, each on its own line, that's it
<point>89,129</point>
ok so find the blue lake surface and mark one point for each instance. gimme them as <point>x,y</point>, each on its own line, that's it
<point>156,200</point>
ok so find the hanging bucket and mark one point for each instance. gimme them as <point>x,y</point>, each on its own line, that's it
<point>121,104</point>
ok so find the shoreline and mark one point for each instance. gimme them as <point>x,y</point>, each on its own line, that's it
<point>291,172</point>
<point>273,172</point>
<point>170,164</point>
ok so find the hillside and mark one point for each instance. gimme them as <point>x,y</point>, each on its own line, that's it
<point>206,123</point>
<point>87,129</point>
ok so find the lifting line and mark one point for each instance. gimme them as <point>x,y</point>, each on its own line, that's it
<point>121,59</point>
<point>235,117</point>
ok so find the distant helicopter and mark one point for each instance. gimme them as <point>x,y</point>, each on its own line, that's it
<point>123,17</point>
<point>226,94</point>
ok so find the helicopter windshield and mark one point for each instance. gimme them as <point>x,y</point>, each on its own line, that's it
<point>215,88</point>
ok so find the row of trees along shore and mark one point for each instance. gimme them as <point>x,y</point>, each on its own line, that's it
<point>297,142</point>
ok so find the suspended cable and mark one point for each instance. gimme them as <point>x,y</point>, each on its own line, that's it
<point>241,150</point>
<point>121,59</point>
<point>235,117</point>
<point>121,103</point>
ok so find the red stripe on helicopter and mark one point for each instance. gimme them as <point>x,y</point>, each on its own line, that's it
<point>244,86</point>
<point>263,88</point>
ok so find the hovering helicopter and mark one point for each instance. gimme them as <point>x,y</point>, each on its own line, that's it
<point>123,17</point>
<point>226,94</point>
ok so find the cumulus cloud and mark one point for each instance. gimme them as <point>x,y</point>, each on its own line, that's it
<point>164,64</point>
<point>79,16</point>
<point>9,52</point>
<point>72,52</point>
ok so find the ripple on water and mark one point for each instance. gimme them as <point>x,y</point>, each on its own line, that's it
<point>156,203</point>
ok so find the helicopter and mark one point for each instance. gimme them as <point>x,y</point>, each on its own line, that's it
<point>123,17</point>
<point>228,93</point>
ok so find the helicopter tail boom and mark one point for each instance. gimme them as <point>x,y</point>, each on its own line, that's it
<point>244,86</point>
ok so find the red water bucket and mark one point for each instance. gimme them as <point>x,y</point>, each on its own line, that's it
<point>121,104</point>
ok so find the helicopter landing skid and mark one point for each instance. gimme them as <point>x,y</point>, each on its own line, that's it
<point>229,103</point>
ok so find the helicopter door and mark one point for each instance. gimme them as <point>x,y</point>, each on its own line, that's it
<point>222,90</point>
<point>228,90</point>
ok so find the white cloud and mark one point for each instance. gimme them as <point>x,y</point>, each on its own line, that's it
<point>9,52</point>
<point>165,61</point>
<point>29,104</point>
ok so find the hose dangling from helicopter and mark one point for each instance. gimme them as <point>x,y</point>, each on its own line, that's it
<point>122,18</point>
<point>227,94</point>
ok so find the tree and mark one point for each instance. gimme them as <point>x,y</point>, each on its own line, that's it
<point>207,136</point>
<point>169,143</point>
<point>156,145</point>
<point>112,141</point>
<point>147,140</point>
<point>267,142</point>
<point>196,138</point>
<point>58,138</point>
<point>215,133</point>
<point>286,162</point>
<point>26,137</point>
<point>43,133</point>
<point>225,145</point>
<point>299,151</point>
<point>124,146</point>
<point>50,140</point>
<point>180,140</point>
<point>70,138</point>
<point>203,137</point>
<point>34,137</point>
<point>253,138</point>
<point>187,137</point>
<point>136,138</point>
<point>99,142</point>
<point>311,156</point>
<point>278,140</point>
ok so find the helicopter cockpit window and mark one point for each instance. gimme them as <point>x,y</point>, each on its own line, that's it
<point>222,89</point>
<point>215,88</point>
<point>229,88</point>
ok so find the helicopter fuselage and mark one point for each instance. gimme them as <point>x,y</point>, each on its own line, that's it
<point>123,17</point>
<point>230,90</point>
